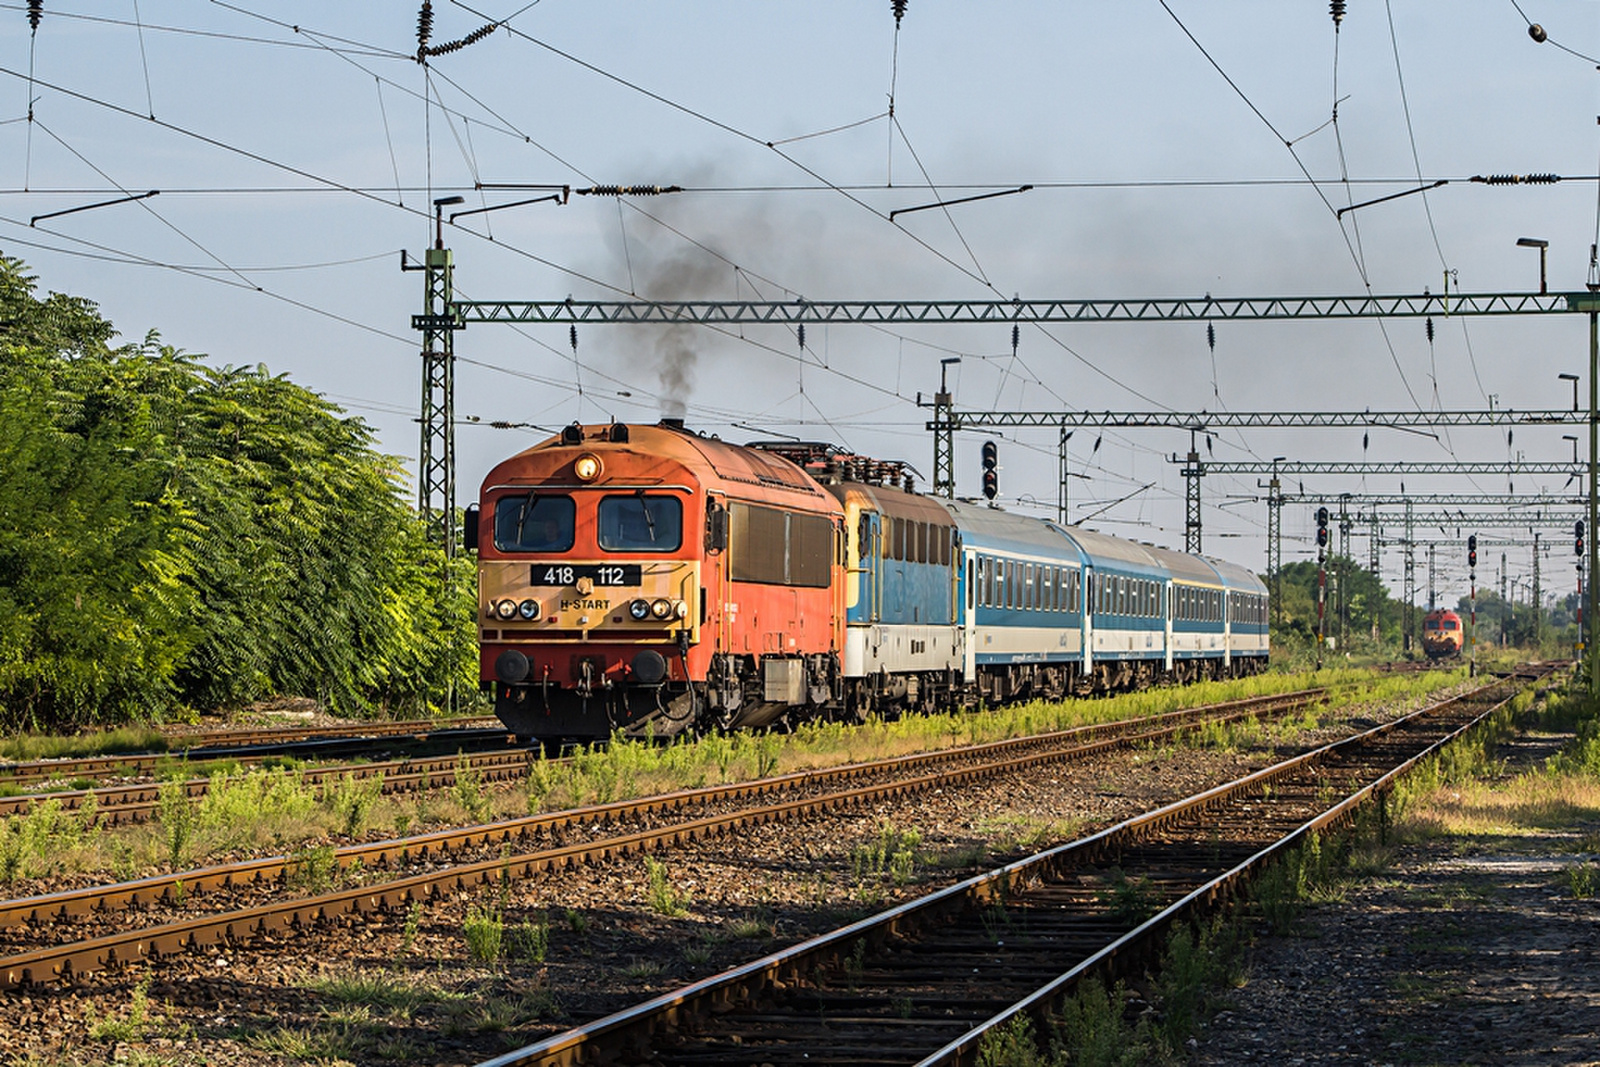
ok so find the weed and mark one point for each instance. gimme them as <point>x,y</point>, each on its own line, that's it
<point>665,898</point>
<point>176,813</point>
<point>1094,1031</point>
<point>529,940</point>
<point>1130,900</point>
<point>312,870</point>
<point>469,792</point>
<point>1012,1045</point>
<point>351,801</point>
<point>368,989</point>
<point>484,929</point>
<point>408,934</point>
<point>638,970</point>
<point>751,928</point>
<point>891,856</point>
<point>1583,879</point>
<point>131,1026</point>
<point>697,954</point>
<point>577,922</point>
<point>855,965</point>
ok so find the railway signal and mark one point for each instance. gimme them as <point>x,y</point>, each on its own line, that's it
<point>1322,577</point>
<point>1472,601</point>
<point>1577,549</point>
<point>991,475</point>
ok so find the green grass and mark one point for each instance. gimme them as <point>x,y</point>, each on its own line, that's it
<point>123,740</point>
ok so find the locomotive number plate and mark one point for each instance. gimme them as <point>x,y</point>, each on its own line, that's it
<point>601,574</point>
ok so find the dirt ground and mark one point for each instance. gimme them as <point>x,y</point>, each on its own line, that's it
<point>1463,950</point>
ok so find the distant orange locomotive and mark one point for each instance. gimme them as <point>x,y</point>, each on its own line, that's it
<point>649,580</point>
<point>1442,634</point>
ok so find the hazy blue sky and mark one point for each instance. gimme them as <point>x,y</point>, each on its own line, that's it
<point>297,147</point>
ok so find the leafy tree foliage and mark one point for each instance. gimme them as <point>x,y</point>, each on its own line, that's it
<point>174,534</point>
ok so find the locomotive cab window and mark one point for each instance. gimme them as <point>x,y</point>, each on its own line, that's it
<point>534,523</point>
<point>639,523</point>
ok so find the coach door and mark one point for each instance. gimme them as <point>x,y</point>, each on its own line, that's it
<point>1168,594</point>
<point>1090,588</point>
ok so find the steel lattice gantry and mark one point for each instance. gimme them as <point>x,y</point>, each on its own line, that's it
<point>1308,467</point>
<point>1231,420</point>
<point>1436,500</point>
<point>875,312</point>
<point>1471,521</point>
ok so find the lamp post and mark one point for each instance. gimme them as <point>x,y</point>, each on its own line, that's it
<point>1544,251</point>
<point>1573,378</point>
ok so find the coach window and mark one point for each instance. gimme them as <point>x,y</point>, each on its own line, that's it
<point>534,523</point>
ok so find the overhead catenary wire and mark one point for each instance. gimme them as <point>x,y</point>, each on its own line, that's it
<point>631,207</point>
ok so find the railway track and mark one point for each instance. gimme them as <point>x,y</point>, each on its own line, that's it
<point>634,826</point>
<point>249,744</point>
<point>925,983</point>
<point>117,804</point>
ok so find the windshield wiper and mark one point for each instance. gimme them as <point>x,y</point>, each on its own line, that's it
<point>526,510</point>
<point>649,519</point>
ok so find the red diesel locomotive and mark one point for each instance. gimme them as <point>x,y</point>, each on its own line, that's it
<point>1442,634</point>
<point>651,580</point>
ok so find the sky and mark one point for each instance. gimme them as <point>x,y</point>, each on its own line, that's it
<point>1175,149</point>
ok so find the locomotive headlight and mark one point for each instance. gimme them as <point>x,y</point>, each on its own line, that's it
<point>680,609</point>
<point>506,609</point>
<point>528,609</point>
<point>639,609</point>
<point>661,608</point>
<point>587,467</point>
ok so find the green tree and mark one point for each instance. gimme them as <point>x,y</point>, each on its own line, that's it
<point>172,533</point>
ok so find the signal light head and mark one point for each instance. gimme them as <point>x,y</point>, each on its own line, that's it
<point>991,484</point>
<point>1322,516</point>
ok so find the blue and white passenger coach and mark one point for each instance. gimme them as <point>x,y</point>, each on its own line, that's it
<point>1022,604</point>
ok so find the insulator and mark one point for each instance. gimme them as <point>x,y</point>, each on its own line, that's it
<point>899,9</point>
<point>1336,9</point>
<point>1211,336</point>
<point>424,26</point>
<point>1016,336</point>
<point>801,333</point>
<point>36,12</point>
<point>1536,31</point>
<point>1516,179</point>
<point>572,336</point>
<point>1427,324</point>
